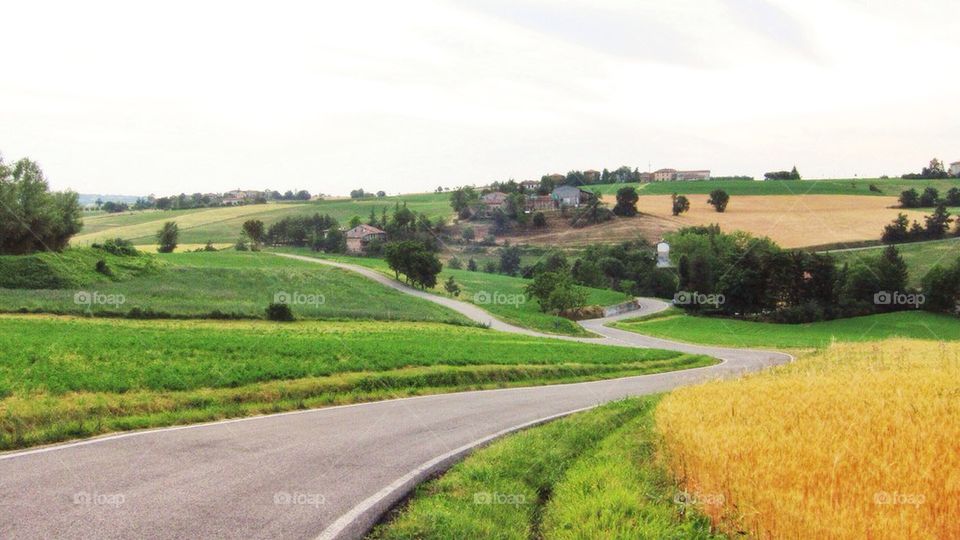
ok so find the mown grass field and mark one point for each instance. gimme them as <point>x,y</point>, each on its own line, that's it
<point>68,377</point>
<point>503,296</point>
<point>733,333</point>
<point>223,225</point>
<point>859,441</point>
<point>189,285</point>
<point>920,257</point>
<point>590,475</point>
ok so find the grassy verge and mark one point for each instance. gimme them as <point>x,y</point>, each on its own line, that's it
<point>503,296</point>
<point>193,285</point>
<point>734,333</point>
<point>853,442</point>
<point>590,475</point>
<point>62,378</point>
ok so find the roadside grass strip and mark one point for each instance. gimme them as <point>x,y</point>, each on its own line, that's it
<point>531,484</point>
<point>621,491</point>
<point>858,441</point>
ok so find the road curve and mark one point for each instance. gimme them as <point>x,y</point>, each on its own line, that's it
<point>327,473</point>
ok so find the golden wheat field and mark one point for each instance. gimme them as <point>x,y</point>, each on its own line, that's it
<point>858,441</point>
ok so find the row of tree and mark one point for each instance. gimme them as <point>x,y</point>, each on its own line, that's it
<point>935,227</point>
<point>935,170</point>
<point>930,198</point>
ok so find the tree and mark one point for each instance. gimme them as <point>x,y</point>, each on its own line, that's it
<point>454,263</point>
<point>509,260</point>
<point>719,199</point>
<point>795,174</point>
<point>415,261</point>
<point>539,220</point>
<point>626,202</point>
<point>680,204</point>
<point>909,198</point>
<point>898,231</point>
<point>355,194</point>
<point>31,217</point>
<point>451,287</point>
<point>355,221</point>
<point>381,194</point>
<point>468,234</point>
<point>892,272</point>
<point>167,237</point>
<point>255,231</point>
<point>462,198</point>
<point>472,265</point>
<point>555,291</point>
<point>929,197</point>
<point>938,223</point>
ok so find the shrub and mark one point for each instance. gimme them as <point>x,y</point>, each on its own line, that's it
<point>719,200</point>
<point>118,246</point>
<point>279,312</point>
<point>454,263</point>
<point>103,268</point>
<point>539,220</point>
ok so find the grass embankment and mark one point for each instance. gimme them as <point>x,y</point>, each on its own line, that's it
<point>223,225</point>
<point>590,475</point>
<point>920,257</point>
<point>189,285</point>
<point>503,296</point>
<point>63,378</point>
<point>856,442</point>
<point>734,333</point>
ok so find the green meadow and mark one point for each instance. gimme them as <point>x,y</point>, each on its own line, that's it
<point>920,257</point>
<point>677,326</point>
<point>503,296</point>
<point>225,284</point>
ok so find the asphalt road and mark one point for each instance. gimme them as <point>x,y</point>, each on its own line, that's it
<point>328,473</point>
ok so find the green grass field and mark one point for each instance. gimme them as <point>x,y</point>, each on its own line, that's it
<point>860,186</point>
<point>187,285</point>
<point>733,333</point>
<point>67,377</point>
<point>920,257</point>
<point>591,475</point>
<point>223,225</point>
<point>503,296</point>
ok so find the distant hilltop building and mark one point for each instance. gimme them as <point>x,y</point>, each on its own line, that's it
<point>955,168</point>
<point>673,175</point>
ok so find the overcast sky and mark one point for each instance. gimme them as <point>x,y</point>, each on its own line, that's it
<point>167,97</point>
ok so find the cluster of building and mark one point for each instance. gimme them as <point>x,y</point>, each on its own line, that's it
<point>562,196</point>
<point>673,175</point>
<point>240,196</point>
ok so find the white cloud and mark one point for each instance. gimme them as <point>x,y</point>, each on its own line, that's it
<point>187,96</point>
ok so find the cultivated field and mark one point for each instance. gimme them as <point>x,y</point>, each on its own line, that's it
<point>791,221</point>
<point>68,377</point>
<point>858,441</point>
<point>675,325</point>
<point>890,187</point>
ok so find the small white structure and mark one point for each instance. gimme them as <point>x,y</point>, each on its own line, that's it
<point>955,168</point>
<point>663,255</point>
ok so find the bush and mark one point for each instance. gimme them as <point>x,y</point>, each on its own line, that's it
<point>102,268</point>
<point>539,220</point>
<point>454,263</point>
<point>241,245</point>
<point>118,246</point>
<point>279,312</point>
<point>719,200</point>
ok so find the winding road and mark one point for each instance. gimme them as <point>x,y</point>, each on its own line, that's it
<point>322,473</point>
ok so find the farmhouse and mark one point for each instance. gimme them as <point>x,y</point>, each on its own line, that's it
<point>494,200</point>
<point>530,186</point>
<point>955,168</point>
<point>673,175</point>
<point>360,236</point>
<point>571,196</point>
<point>537,202</point>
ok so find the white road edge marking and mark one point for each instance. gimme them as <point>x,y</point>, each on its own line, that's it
<point>346,520</point>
